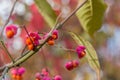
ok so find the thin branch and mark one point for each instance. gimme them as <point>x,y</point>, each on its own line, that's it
<point>7,21</point>
<point>22,55</point>
<point>68,17</point>
<point>2,68</point>
<point>4,72</point>
<point>28,34</point>
<point>23,50</point>
<point>58,18</point>
<point>65,49</point>
<point>68,50</point>
<point>7,51</point>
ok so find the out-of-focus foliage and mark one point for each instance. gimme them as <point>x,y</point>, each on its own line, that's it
<point>46,11</point>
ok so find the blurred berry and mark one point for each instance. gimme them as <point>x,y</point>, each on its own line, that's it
<point>80,50</point>
<point>11,30</point>
<point>69,65</point>
<point>75,63</point>
<point>57,77</point>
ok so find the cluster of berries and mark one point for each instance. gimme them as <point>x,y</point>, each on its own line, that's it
<point>80,50</point>
<point>32,40</point>
<point>72,64</point>
<point>51,40</point>
<point>45,75</point>
<point>17,73</point>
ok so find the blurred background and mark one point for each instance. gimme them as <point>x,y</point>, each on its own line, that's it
<point>106,40</point>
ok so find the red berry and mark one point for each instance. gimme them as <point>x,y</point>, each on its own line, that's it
<point>80,50</point>
<point>82,54</point>
<point>21,70</point>
<point>69,65</point>
<point>75,63</point>
<point>54,36</point>
<point>57,77</point>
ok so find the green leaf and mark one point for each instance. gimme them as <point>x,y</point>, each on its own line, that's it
<point>46,11</point>
<point>91,54</point>
<point>91,15</point>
